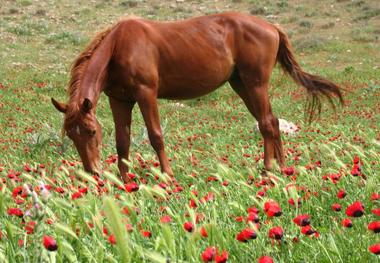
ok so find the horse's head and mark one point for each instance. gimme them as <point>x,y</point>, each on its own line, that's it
<point>82,127</point>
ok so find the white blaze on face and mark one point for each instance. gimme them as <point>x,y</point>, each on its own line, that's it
<point>77,130</point>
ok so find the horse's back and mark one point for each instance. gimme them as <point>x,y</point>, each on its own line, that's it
<point>192,57</point>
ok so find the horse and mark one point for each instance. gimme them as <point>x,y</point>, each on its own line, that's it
<point>139,61</point>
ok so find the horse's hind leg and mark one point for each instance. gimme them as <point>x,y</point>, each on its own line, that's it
<point>122,115</point>
<point>147,100</point>
<point>256,98</point>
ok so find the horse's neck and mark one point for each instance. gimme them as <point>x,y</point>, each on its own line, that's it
<point>95,73</point>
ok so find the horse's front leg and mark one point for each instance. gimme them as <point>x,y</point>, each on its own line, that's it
<point>147,100</point>
<point>122,115</point>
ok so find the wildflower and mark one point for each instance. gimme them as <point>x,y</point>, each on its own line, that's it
<point>336,207</point>
<point>112,239</point>
<point>20,243</point>
<point>276,233</point>
<point>375,196</point>
<point>246,235</point>
<point>376,211</point>
<point>292,203</point>
<point>203,232</point>
<point>76,195</point>
<point>253,217</point>
<point>50,243</point>
<point>347,222</point>
<point>265,259</point>
<point>302,220</point>
<point>289,171</point>
<point>188,226</point>
<point>105,231</point>
<point>252,209</point>
<point>165,219</point>
<point>374,226</point>
<point>193,203</point>
<point>30,227</point>
<point>307,230</point>
<point>355,210</point>
<point>222,258</point>
<point>208,254</point>
<point>375,249</point>
<point>341,194</point>
<point>131,187</point>
<point>271,208</point>
<point>146,233</point>
<point>15,212</point>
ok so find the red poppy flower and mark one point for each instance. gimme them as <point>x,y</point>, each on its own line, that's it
<point>336,207</point>
<point>59,190</point>
<point>252,209</point>
<point>375,196</point>
<point>375,249</point>
<point>188,226</point>
<point>50,243</point>
<point>146,233</point>
<point>356,171</point>
<point>302,220</point>
<point>376,211</point>
<point>252,217</point>
<point>374,226</point>
<point>165,219</point>
<point>341,194</point>
<point>15,212</point>
<point>193,203</point>
<point>222,258</point>
<point>246,235</point>
<point>271,208</point>
<point>289,170</point>
<point>30,227</point>
<point>112,239</point>
<point>131,187</point>
<point>355,210</point>
<point>203,232</point>
<point>265,259</point>
<point>292,203</point>
<point>307,230</point>
<point>239,218</point>
<point>208,254</point>
<point>105,231</point>
<point>347,222</point>
<point>17,191</point>
<point>276,233</point>
<point>76,195</point>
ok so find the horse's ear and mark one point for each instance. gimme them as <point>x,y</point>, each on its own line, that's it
<point>62,107</point>
<point>87,105</point>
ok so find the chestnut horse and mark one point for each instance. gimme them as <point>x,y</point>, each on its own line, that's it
<point>139,60</point>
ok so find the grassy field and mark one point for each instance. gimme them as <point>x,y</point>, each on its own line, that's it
<point>215,150</point>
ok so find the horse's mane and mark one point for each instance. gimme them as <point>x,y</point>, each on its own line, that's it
<point>77,69</point>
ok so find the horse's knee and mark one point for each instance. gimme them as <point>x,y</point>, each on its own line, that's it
<point>156,140</point>
<point>269,126</point>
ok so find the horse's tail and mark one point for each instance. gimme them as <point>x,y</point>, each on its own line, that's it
<point>316,86</point>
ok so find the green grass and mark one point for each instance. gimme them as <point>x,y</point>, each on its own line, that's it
<point>204,137</point>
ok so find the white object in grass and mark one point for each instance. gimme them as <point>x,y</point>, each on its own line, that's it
<point>287,127</point>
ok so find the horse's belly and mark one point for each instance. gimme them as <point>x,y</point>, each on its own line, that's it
<point>192,82</point>
<point>186,91</point>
